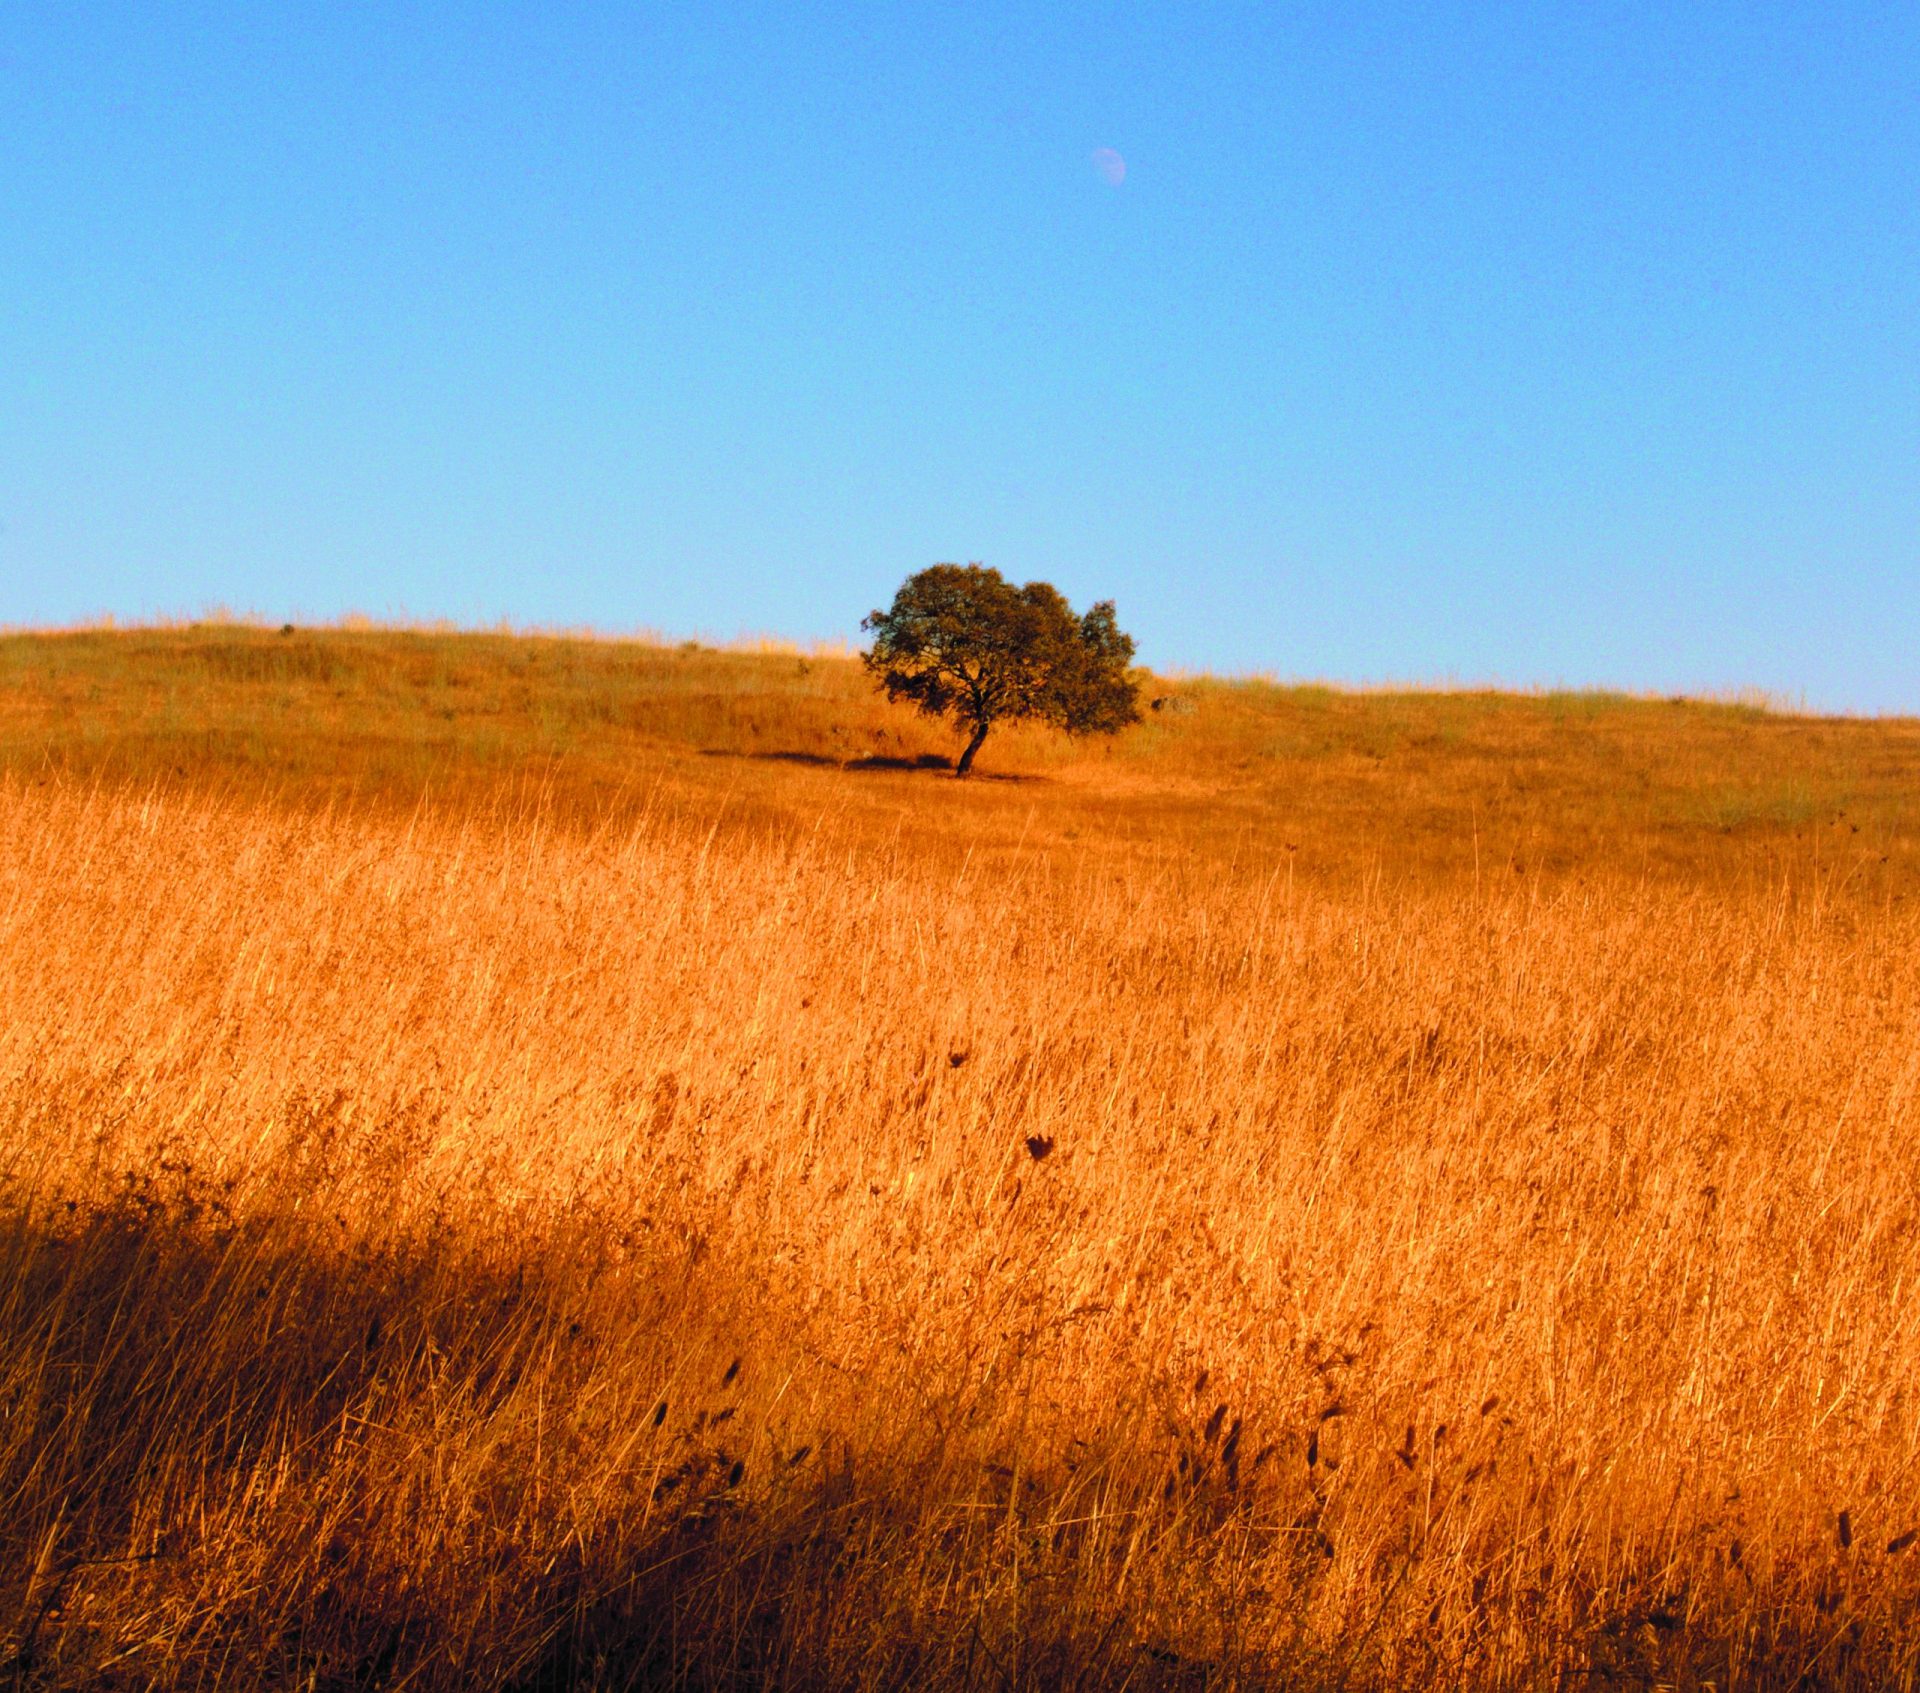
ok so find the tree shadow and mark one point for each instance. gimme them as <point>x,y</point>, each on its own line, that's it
<point>936,764</point>
<point>921,761</point>
<point>920,764</point>
<point>816,760</point>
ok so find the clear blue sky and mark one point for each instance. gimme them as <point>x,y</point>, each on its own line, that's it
<point>1538,343</point>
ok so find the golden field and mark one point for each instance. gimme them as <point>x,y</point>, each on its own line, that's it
<point>549,1163</point>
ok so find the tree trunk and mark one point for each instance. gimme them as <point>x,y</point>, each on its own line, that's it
<point>973,746</point>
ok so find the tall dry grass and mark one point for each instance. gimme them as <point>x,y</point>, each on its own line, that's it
<point>727,1246</point>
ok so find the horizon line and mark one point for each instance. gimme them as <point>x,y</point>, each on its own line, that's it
<point>748,643</point>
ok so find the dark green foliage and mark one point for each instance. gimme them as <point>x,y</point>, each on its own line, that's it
<point>963,642</point>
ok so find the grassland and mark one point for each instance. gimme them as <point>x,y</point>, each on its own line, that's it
<point>556,1163</point>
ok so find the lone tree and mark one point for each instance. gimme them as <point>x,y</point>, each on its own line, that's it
<point>965,643</point>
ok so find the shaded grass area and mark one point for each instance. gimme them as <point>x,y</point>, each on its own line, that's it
<point>287,1381</point>
<point>290,1455</point>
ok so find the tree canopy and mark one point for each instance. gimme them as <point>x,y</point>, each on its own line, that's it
<point>963,642</point>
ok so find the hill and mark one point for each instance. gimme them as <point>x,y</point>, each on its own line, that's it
<point>538,1163</point>
<point>1376,782</point>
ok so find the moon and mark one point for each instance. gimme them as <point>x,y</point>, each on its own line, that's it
<point>1112,168</point>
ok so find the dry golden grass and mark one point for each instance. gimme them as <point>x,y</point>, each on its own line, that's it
<point>1332,1191</point>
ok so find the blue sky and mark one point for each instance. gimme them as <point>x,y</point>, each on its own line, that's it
<point>1570,344</point>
